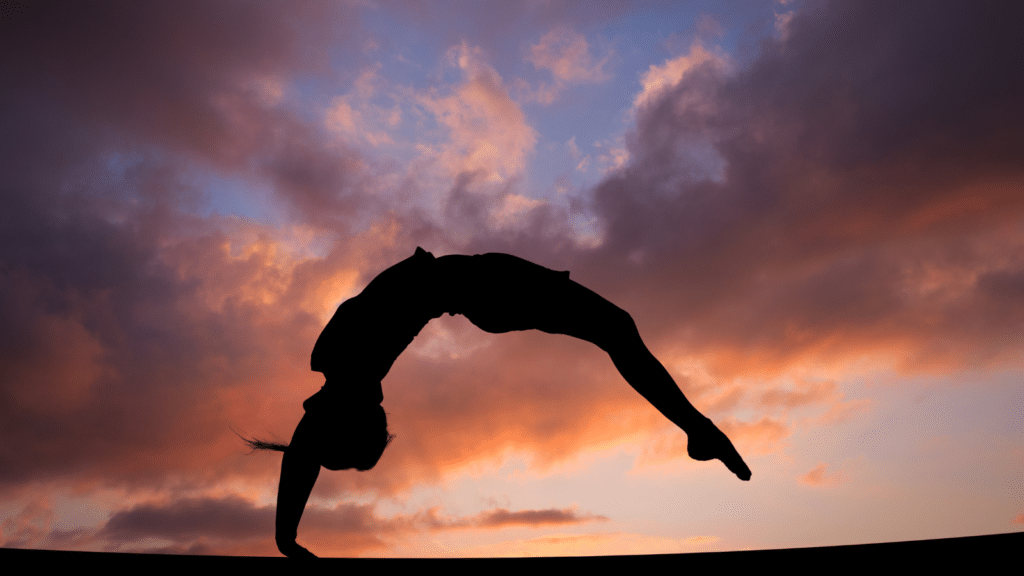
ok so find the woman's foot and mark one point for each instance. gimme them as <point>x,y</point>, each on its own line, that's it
<point>707,442</point>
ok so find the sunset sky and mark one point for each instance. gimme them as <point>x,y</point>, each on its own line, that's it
<point>814,211</point>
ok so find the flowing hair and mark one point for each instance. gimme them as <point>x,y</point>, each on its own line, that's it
<point>259,444</point>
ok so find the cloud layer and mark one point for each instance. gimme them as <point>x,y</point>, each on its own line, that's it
<point>851,192</point>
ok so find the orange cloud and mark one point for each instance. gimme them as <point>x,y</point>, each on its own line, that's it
<point>760,437</point>
<point>359,119</point>
<point>820,476</point>
<point>487,131</point>
<point>29,527</point>
<point>805,393</point>
<point>566,54</point>
<point>660,78</point>
<point>546,396</point>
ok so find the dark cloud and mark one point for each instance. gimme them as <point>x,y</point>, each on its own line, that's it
<point>125,320</point>
<point>160,70</point>
<point>231,525</point>
<point>119,347</point>
<point>185,520</point>
<point>167,84</point>
<point>541,233</point>
<point>874,138</point>
<point>502,518</point>
<point>217,525</point>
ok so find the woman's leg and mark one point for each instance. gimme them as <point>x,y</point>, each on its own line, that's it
<point>579,312</point>
<point>509,294</point>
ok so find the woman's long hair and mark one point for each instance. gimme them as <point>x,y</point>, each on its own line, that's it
<point>257,444</point>
<point>377,419</point>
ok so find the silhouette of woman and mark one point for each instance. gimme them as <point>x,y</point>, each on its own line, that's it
<point>345,426</point>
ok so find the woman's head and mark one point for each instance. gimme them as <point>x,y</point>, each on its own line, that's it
<point>351,438</point>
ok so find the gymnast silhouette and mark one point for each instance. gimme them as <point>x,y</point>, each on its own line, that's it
<point>345,426</point>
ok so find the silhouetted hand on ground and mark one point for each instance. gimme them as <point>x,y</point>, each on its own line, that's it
<point>291,549</point>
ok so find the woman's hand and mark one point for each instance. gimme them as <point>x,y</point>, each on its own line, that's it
<point>291,549</point>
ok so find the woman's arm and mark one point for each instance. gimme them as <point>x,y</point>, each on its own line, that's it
<point>299,471</point>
